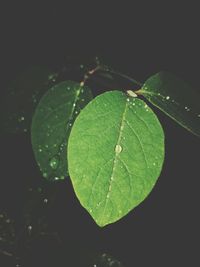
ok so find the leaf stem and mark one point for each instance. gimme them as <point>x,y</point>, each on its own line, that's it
<point>102,67</point>
<point>108,69</point>
<point>88,75</point>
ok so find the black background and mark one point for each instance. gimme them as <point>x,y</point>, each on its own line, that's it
<point>139,41</point>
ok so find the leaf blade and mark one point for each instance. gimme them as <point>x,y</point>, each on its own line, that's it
<point>175,98</point>
<point>107,158</point>
<point>51,126</point>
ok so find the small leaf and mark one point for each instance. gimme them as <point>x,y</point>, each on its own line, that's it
<point>115,155</point>
<point>52,124</point>
<point>175,98</point>
<point>21,98</point>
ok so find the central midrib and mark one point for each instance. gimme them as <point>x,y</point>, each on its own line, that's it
<point>116,155</point>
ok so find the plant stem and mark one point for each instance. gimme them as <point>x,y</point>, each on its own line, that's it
<point>88,75</point>
<point>107,69</point>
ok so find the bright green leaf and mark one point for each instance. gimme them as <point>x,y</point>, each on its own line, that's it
<point>21,97</point>
<point>51,126</point>
<point>115,155</point>
<point>175,98</point>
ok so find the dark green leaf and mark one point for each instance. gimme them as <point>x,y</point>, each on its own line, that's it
<point>115,155</point>
<point>52,123</point>
<point>175,98</point>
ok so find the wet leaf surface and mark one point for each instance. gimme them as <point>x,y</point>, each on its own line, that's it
<point>115,155</point>
<point>51,126</point>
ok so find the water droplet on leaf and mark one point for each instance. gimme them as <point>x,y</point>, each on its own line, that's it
<point>54,162</point>
<point>118,149</point>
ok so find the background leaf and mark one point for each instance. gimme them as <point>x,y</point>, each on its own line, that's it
<point>115,155</point>
<point>22,96</point>
<point>52,123</point>
<point>175,98</point>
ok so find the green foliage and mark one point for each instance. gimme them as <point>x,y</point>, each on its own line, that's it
<point>116,145</point>
<point>52,124</point>
<point>175,98</point>
<point>21,98</point>
<point>115,155</point>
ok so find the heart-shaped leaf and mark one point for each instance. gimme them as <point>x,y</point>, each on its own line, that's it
<point>52,124</point>
<point>115,155</point>
<point>175,98</point>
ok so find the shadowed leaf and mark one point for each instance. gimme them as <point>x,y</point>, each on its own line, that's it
<point>52,124</point>
<point>175,98</point>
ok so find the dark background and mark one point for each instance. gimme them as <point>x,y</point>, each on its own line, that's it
<point>139,41</point>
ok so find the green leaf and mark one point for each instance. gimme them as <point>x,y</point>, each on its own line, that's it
<point>175,98</point>
<point>115,155</point>
<point>51,126</point>
<point>21,98</point>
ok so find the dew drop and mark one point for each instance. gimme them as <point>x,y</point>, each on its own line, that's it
<point>40,150</point>
<point>187,109</point>
<point>154,164</point>
<point>21,119</point>
<point>118,149</point>
<point>29,228</point>
<point>198,115</point>
<point>45,200</point>
<point>167,97</point>
<point>54,162</point>
<point>128,99</point>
